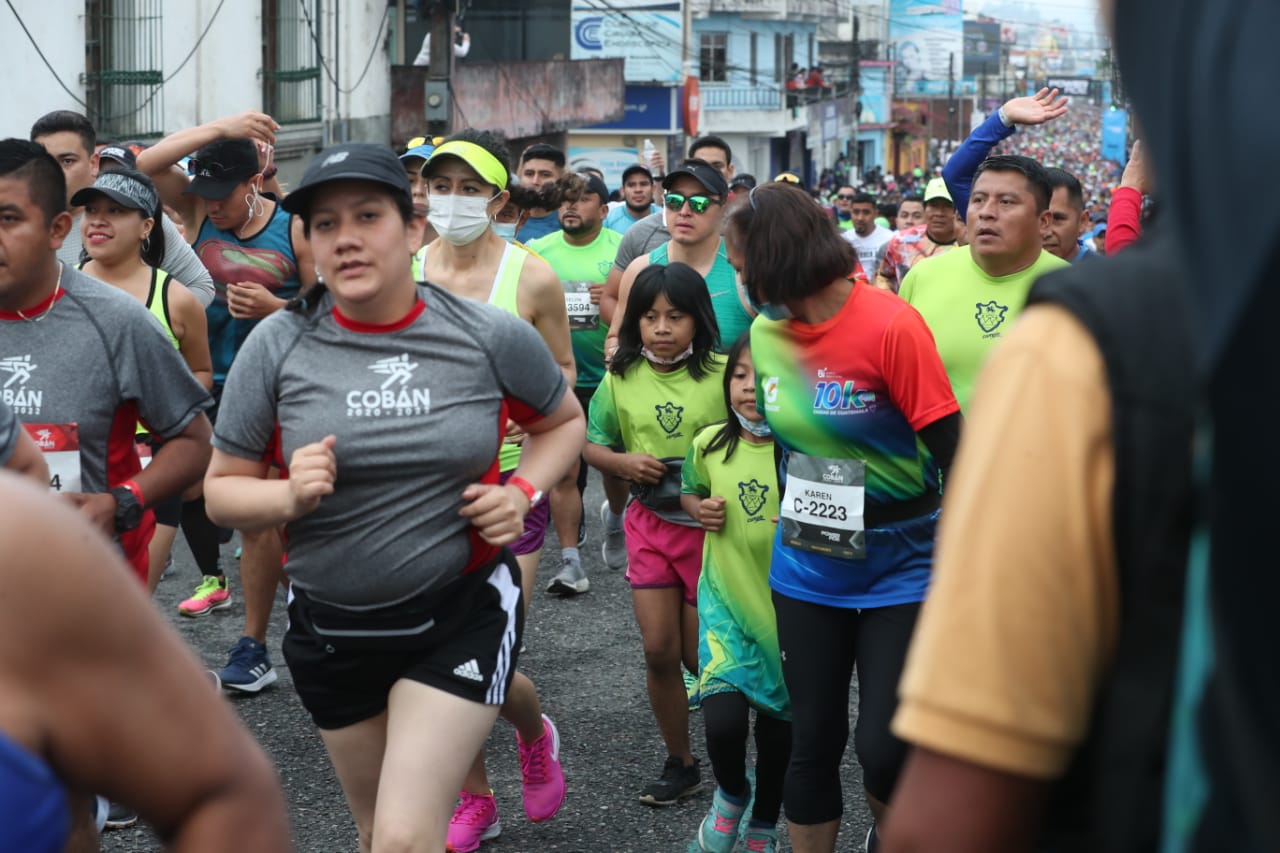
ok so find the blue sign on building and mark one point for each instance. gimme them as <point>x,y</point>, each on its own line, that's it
<point>649,108</point>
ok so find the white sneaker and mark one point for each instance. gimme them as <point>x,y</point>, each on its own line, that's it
<point>571,580</point>
<point>614,547</point>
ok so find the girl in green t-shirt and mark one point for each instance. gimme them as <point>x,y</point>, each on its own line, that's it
<point>730,486</point>
<point>659,391</point>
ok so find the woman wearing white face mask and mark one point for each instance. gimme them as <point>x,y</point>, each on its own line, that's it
<point>467,176</point>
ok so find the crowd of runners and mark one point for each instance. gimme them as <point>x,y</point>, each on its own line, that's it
<point>807,420</point>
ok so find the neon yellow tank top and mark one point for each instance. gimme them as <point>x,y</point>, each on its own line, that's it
<point>504,295</point>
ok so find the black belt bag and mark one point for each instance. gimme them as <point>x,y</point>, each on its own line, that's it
<point>411,625</point>
<point>664,495</point>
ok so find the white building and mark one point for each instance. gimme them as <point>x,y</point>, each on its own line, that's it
<point>145,68</point>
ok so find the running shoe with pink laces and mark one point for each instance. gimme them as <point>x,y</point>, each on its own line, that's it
<point>543,777</point>
<point>474,820</point>
<point>212,594</point>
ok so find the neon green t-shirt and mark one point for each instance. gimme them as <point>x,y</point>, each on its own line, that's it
<point>579,267</point>
<point>737,632</point>
<point>656,413</point>
<point>967,310</point>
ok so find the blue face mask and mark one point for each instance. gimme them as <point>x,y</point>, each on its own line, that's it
<point>759,429</point>
<point>768,310</point>
<point>505,230</point>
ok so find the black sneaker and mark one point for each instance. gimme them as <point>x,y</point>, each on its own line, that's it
<point>121,816</point>
<point>675,783</point>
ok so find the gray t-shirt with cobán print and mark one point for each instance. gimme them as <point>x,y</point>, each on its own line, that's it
<point>99,360</point>
<point>418,410</point>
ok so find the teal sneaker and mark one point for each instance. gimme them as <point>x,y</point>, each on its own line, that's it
<point>718,832</point>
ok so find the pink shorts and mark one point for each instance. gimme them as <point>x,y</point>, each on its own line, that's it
<point>662,554</point>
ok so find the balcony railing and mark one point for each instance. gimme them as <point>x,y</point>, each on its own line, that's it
<point>768,97</point>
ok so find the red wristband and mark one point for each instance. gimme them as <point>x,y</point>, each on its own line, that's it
<point>525,486</point>
<point>136,489</point>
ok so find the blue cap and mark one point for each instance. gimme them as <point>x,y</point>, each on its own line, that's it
<point>423,151</point>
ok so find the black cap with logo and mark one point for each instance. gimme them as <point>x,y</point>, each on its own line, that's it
<point>219,167</point>
<point>350,161</point>
<point>703,173</point>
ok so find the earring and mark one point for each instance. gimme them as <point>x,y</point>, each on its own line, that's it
<point>146,242</point>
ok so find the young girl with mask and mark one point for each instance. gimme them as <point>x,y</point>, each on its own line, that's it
<point>467,178</point>
<point>120,231</point>
<point>730,486</point>
<point>658,393</point>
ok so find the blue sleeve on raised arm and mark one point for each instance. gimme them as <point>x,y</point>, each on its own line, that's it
<point>958,172</point>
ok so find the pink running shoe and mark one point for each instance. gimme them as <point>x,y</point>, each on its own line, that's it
<point>474,820</point>
<point>543,777</point>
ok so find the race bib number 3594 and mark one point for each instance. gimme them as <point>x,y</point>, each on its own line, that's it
<point>822,509</point>
<point>60,444</point>
<point>584,315</point>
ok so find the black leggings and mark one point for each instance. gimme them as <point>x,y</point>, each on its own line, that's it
<point>820,647</point>
<point>728,717</point>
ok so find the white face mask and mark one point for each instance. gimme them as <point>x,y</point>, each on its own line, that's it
<point>505,230</point>
<point>458,219</point>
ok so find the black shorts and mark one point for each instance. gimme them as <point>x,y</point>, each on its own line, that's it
<point>463,639</point>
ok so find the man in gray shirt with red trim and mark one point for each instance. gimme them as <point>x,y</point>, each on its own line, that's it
<point>82,363</point>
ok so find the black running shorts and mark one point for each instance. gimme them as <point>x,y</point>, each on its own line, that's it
<point>463,639</point>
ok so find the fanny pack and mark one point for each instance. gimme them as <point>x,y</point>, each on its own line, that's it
<point>664,495</point>
<point>411,625</point>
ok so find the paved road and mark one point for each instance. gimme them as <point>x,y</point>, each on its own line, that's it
<point>585,656</point>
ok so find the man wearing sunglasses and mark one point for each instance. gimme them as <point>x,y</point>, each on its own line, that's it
<point>842,209</point>
<point>694,195</point>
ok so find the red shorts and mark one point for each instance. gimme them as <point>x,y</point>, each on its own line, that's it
<point>661,553</point>
<point>135,543</point>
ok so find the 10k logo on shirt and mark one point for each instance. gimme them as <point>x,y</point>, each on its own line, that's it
<point>394,398</point>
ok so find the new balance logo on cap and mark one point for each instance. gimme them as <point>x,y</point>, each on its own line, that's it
<point>336,157</point>
<point>469,670</point>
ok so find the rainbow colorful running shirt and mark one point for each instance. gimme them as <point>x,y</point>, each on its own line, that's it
<point>857,388</point>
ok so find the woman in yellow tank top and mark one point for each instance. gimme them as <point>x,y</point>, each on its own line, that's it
<point>121,234</point>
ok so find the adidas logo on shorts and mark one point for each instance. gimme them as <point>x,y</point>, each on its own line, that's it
<point>469,670</point>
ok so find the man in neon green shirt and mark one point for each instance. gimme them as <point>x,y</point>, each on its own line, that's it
<point>971,295</point>
<point>581,254</point>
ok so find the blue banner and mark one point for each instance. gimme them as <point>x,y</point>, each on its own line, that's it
<point>1115,134</point>
<point>648,108</point>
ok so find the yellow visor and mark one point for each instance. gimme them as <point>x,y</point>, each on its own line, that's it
<point>487,166</point>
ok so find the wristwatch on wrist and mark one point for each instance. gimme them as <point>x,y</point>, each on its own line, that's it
<point>128,505</point>
<point>534,495</point>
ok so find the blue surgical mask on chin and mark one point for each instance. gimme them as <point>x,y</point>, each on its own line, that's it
<point>768,310</point>
<point>505,230</point>
<point>759,429</point>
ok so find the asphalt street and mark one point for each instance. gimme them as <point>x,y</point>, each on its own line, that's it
<point>585,656</point>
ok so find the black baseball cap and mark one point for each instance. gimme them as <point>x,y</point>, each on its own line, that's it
<point>120,154</point>
<point>636,169</point>
<point>128,187</point>
<point>703,173</point>
<point>350,161</point>
<point>595,185</point>
<point>745,180</point>
<point>220,166</point>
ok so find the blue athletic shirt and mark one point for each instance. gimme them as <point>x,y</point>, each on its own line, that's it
<point>33,802</point>
<point>266,258</point>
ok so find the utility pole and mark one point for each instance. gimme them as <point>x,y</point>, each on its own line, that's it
<point>437,94</point>
<point>951,100</point>
<point>855,95</point>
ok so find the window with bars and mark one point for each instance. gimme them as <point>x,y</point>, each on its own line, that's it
<point>755,59</point>
<point>784,48</point>
<point>713,57</point>
<point>291,80</point>
<point>123,62</point>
